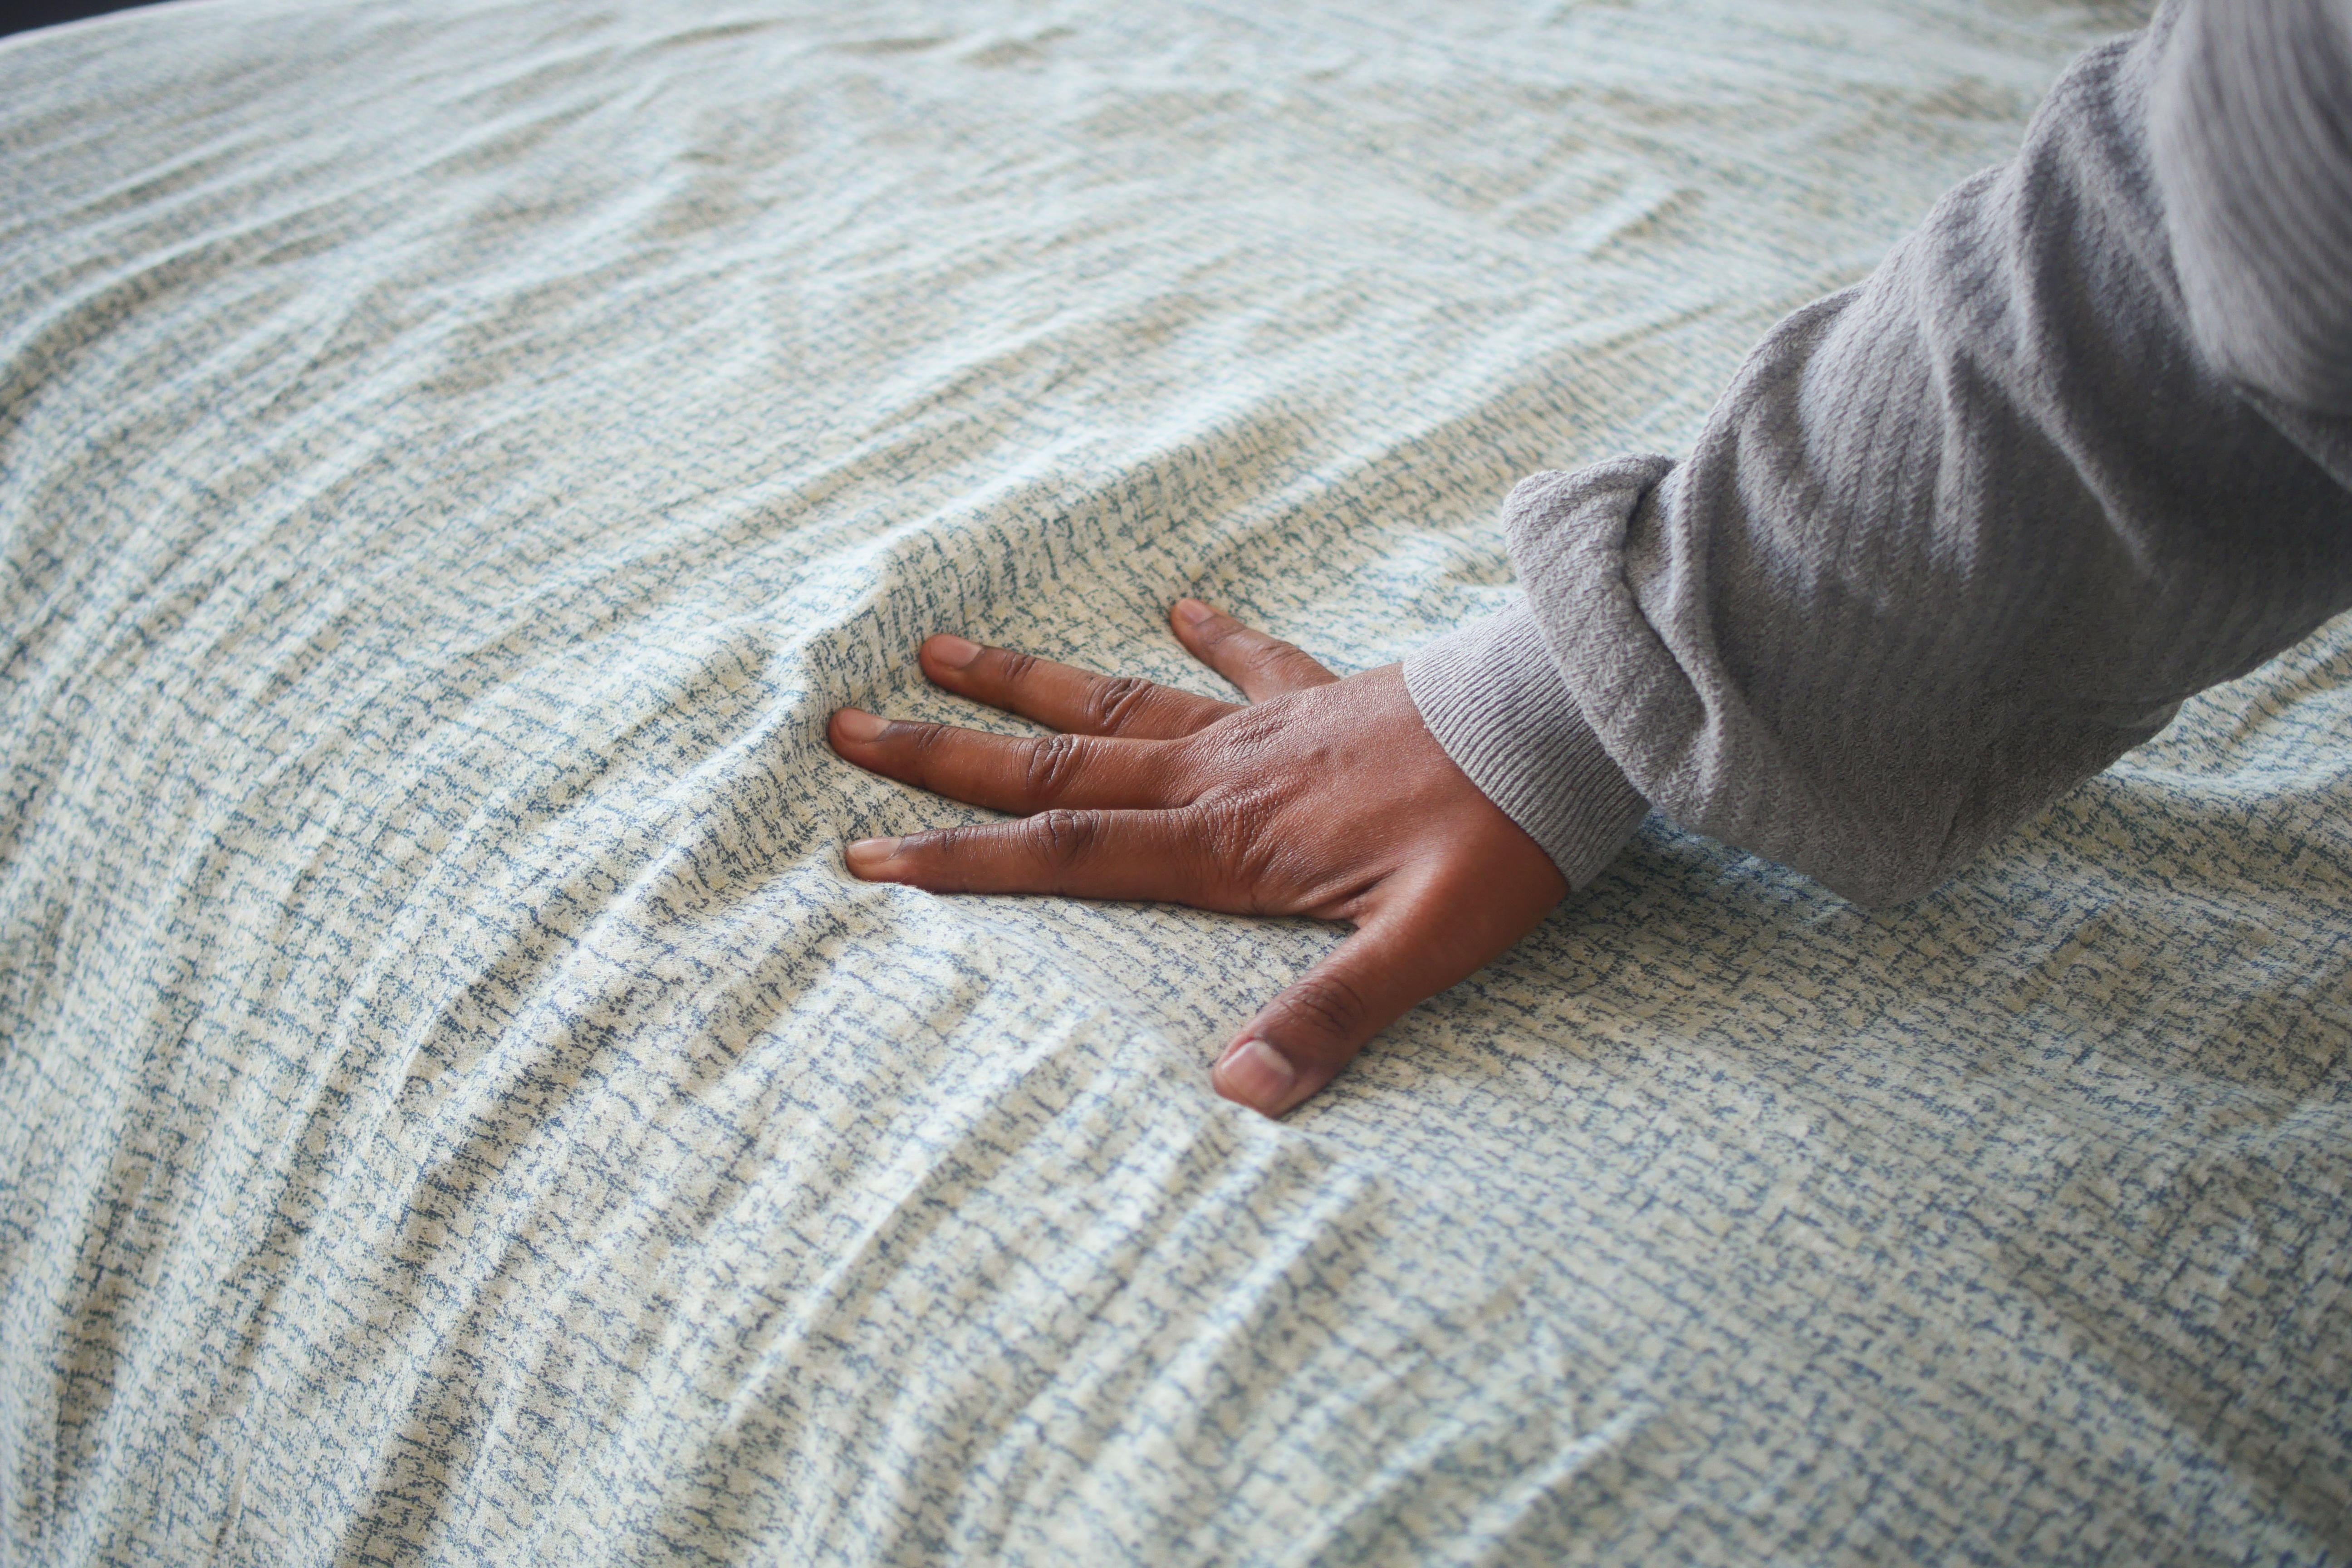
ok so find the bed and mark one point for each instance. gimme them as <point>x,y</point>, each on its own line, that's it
<point>455,1106</point>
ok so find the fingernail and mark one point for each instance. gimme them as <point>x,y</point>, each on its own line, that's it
<point>869,852</point>
<point>953,651</point>
<point>855,724</point>
<point>1257,1074</point>
<point>1191,612</point>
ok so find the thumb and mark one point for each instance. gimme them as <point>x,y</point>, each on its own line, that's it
<point>1301,1040</point>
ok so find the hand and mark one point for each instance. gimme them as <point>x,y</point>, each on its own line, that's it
<point>1323,797</point>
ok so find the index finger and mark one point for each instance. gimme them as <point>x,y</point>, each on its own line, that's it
<point>1076,700</point>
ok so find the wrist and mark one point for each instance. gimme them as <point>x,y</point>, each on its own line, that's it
<point>1491,695</point>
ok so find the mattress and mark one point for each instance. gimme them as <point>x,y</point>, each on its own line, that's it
<point>455,1107</point>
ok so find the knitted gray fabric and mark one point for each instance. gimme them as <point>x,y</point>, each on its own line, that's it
<point>1960,536</point>
<point>1489,692</point>
<point>2252,134</point>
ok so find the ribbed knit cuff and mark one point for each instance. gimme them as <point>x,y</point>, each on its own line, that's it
<point>1491,695</point>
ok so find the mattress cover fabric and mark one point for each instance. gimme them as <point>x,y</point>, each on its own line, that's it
<point>454,1105</point>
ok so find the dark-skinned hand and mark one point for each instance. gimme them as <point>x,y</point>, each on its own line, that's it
<point>1322,796</point>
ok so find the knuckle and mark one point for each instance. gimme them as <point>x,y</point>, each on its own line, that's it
<point>924,740</point>
<point>1330,1003</point>
<point>921,749</point>
<point>1227,828</point>
<point>1062,837</point>
<point>1015,667</point>
<point>1115,700</point>
<point>1230,830</point>
<point>1248,734</point>
<point>1240,648</point>
<point>944,854</point>
<point>1272,653</point>
<point>1050,765</point>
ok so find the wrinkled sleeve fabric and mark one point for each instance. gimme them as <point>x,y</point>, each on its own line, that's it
<point>1956,538</point>
<point>2252,127</point>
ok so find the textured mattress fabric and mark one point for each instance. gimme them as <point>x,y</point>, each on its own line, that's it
<point>454,1107</point>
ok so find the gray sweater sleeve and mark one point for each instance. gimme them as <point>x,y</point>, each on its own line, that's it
<point>1958,537</point>
<point>2251,132</point>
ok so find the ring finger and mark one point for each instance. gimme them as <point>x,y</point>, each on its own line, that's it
<point>1011,772</point>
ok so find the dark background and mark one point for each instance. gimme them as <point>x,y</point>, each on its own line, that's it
<point>16,15</point>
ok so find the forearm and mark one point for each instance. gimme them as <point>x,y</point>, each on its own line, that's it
<point>2250,129</point>
<point>1953,541</point>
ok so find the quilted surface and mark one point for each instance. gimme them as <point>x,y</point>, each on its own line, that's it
<point>454,1106</point>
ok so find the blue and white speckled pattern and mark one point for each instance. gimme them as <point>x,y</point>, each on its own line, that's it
<point>455,1108</point>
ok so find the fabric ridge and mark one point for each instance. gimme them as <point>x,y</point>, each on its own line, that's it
<point>456,1107</point>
